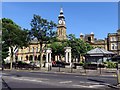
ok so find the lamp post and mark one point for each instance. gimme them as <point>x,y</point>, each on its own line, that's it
<point>118,74</point>
<point>2,63</point>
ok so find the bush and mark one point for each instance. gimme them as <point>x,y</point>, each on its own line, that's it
<point>110,64</point>
<point>81,63</point>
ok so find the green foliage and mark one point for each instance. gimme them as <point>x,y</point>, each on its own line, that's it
<point>13,36</point>
<point>82,63</point>
<point>43,31</point>
<point>110,64</point>
<point>57,48</point>
<point>78,46</point>
<point>5,50</point>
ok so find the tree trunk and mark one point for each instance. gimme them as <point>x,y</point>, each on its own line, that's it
<point>11,58</point>
<point>41,55</point>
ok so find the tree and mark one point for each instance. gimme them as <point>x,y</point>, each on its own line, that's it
<point>57,49</point>
<point>13,36</point>
<point>5,52</point>
<point>78,46</point>
<point>43,31</point>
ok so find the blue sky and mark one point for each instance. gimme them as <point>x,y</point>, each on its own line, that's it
<point>81,17</point>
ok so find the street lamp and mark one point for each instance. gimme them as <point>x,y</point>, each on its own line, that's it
<point>118,72</point>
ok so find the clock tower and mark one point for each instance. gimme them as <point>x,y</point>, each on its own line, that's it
<point>61,27</point>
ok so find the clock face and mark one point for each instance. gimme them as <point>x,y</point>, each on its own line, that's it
<point>60,21</point>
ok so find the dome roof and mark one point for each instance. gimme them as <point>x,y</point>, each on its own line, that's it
<point>92,33</point>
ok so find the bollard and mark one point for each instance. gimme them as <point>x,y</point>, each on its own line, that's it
<point>71,69</point>
<point>59,68</point>
<point>48,67</point>
<point>71,65</point>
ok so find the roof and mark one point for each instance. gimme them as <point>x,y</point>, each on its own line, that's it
<point>99,51</point>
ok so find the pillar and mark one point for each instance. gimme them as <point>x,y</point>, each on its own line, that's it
<point>68,54</point>
<point>66,57</point>
<point>69,57</point>
<point>46,57</point>
<point>49,57</point>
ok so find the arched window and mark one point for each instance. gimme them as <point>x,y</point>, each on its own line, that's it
<point>39,57</point>
<point>113,46</point>
<point>89,39</point>
<point>35,57</point>
<point>30,57</point>
<point>27,57</point>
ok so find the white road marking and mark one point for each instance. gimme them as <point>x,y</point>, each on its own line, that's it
<point>81,86</point>
<point>96,86</point>
<point>89,82</point>
<point>65,82</point>
<point>89,86</point>
<point>77,76</point>
<point>26,79</point>
<point>23,79</point>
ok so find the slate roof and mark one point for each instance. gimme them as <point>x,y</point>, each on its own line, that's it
<point>99,51</point>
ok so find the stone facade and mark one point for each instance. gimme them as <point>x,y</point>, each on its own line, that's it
<point>30,53</point>
<point>89,38</point>
<point>113,40</point>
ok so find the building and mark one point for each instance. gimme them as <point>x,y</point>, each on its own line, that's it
<point>31,53</point>
<point>113,42</point>
<point>61,27</point>
<point>89,38</point>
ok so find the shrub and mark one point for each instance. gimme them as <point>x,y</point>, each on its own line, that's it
<point>111,65</point>
<point>81,63</point>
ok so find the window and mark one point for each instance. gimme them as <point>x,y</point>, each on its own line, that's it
<point>21,58</point>
<point>114,46</point>
<point>89,39</point>
<point>113,39</point>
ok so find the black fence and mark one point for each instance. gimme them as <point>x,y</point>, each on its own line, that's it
<point>20,65</point>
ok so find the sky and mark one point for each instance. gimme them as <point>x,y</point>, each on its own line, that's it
<point>100,18</point>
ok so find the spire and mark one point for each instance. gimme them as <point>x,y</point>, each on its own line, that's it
<point>61,10</point>
<point>61,13</point>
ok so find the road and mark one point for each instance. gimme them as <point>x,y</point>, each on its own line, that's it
<point>24,79</point>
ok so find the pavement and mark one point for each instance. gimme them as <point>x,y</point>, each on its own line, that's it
<point>104,72</point>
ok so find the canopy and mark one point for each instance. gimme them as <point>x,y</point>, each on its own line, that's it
<point>99,52</point>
